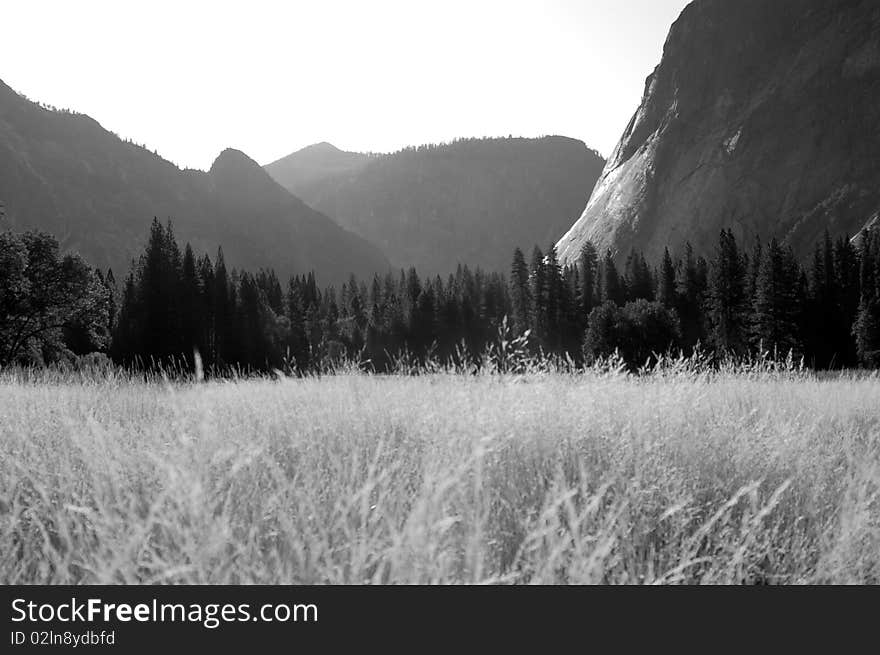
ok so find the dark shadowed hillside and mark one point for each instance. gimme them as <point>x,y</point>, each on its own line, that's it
<point>762,117</point>
<point>299,171</point>
<point>63,173</point>
<point>472,201</point>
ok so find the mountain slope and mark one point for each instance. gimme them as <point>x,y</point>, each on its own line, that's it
<point>471,201</point>
<point>64,173</point>
<point>762,117</point>
<point>298,171</point>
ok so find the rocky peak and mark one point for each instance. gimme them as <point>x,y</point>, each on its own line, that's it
<point>235,172</point>
<point>761,117</point>
<point>323,147</point>
<point>233,161</point>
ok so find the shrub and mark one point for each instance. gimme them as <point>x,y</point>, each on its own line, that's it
<point>639,331</point>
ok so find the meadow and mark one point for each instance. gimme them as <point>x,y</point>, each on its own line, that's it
<point>765,476</point>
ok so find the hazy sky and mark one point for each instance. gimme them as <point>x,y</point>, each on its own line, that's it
<point>189,78</point>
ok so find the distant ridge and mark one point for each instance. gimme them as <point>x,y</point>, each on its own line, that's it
<point>63,173</point>
<point>299,170</point>
<point>471,201</point>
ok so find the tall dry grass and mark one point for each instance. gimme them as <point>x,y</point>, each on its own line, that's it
<point>753,475</point>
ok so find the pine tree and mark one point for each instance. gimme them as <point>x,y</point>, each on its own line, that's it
<point>270,285</point>
<point>588,265</point>
<point>207,345</point>
<point>113,300</point>
<point>638,282</point>
<point>422,329</point>
<point>825,333</point>
<point>846,271</point>
<point>755,267</point>
<point>726,298</point>
<point>224,309</point>
<point>866,329</point>
<point>127,345</point>
<point>157,285</point>
<point>666,293</point>
<point>520,293</point>
<point>539,296</point>
<point>775,304</point>
<point>174,347</point>
<point>691,289</point>
<point>298,342</point>
<point>613,288</point>
<point>190,309</point>
<point>553,307</point>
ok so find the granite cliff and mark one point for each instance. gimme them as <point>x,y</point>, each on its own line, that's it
<point>762,117</point>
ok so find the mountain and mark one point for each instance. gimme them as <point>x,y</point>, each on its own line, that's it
<point>471,201</point>
<point>762,117</point>
<point>297,172</point>
<point>63,173</point>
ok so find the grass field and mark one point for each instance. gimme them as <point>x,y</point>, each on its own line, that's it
<point>555,478</point>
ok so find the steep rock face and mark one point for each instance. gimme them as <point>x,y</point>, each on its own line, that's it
<point>65,174</point>
<point>763,117</point>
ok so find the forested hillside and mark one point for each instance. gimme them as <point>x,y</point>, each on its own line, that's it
<point>298,172</point>
<point>468,202</point>
<point>63,173</point>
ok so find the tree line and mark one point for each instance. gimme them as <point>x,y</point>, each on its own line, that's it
<point>174,303</point>
<point>738,303</point>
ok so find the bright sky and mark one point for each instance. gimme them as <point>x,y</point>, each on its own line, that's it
<point>190,78</point>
